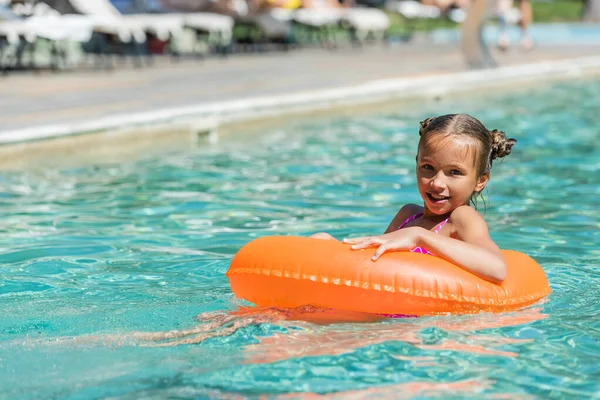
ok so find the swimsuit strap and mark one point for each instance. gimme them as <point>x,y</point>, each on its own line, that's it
<point>411,218</point>
<point>439,227</point>
<point>417,215</point>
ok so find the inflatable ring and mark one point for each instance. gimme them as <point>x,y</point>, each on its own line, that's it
<point>288,271</point>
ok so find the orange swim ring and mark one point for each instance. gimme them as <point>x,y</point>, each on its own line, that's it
<point>289,271</point>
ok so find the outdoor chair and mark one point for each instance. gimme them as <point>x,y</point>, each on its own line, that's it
<point>209,29</point>
<point>304,25</point>
<point>363,23</point>
<point>229,24</point>
<point>321,24</point>
<point>258,30</point>
<point>111,32</point>
<point>19,36</point>
<point>412,11</point>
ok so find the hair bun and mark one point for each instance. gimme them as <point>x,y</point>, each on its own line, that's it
<point>501,145</point>
<point>424,125</point>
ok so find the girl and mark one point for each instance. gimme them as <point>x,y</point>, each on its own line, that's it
<point>454,160</point>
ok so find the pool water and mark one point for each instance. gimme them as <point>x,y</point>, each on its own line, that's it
<point>91,255</point>
<point>553,34</point>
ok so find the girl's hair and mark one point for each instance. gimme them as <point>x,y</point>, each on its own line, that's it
<point>490,144</point>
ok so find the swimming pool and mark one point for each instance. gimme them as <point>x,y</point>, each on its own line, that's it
<point>91,254</point>
<point>554,34</point>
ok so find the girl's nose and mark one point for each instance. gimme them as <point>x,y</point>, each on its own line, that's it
<point>438,181</point>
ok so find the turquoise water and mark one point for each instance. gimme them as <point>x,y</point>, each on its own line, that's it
<point>90,255</point>
<point>555,34</point>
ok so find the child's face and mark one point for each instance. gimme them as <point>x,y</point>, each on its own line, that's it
<point>447,173</point>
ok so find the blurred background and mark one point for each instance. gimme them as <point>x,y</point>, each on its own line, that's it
<point>72,34</point>
<point>64,63</point>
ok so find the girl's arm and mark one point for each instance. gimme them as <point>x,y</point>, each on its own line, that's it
<point>469,246</point>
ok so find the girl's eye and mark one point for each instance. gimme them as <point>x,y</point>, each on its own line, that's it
<point>455,172</point>
<point>427,167</point>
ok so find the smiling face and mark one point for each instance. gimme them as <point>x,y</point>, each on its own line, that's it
<point>447,173</point>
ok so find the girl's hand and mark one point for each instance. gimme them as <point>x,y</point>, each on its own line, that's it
<point>404,239</point>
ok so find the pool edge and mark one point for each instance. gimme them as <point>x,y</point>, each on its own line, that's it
<point>206,119</point>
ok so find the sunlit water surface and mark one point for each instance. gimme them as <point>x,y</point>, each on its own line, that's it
<point>90,255</point>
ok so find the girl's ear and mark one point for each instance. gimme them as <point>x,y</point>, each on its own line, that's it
<point>481,182</point>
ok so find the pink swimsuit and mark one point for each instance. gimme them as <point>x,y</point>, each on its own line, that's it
<point>437,230</point>
<point>416,250</point>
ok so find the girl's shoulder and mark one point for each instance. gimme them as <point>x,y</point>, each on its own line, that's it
<point>405,212</point>
<point>466,216</point>
<point>465,212</point>
<point>410,209</point>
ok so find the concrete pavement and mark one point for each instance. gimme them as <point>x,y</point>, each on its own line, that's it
<point>33,100</point>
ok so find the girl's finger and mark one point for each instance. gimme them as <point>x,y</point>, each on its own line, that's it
<point>379,252</point>
<point>364,244</point>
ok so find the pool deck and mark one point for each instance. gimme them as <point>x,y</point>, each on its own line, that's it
<point>36,106</point>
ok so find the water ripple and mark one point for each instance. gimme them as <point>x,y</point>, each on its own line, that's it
<point>104,251</point>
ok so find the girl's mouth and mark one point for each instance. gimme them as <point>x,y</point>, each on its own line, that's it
<point>437,198</point>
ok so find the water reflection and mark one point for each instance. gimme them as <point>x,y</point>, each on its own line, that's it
<point>429,334</point>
